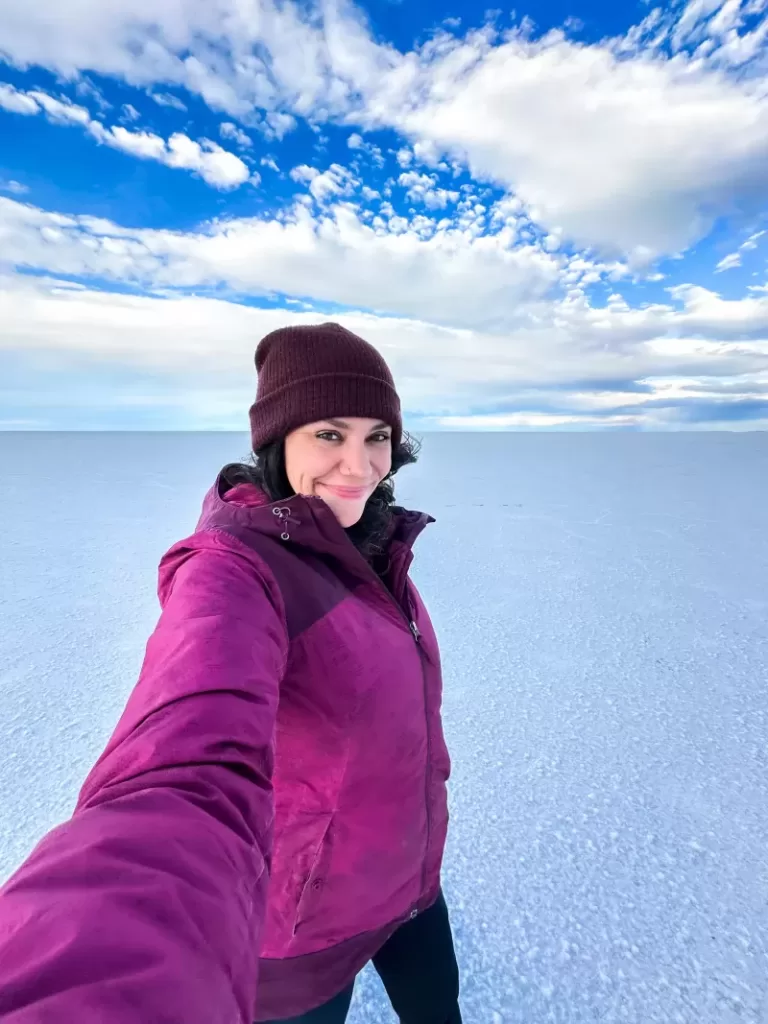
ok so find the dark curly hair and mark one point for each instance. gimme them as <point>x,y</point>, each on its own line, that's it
<point>266,469</point>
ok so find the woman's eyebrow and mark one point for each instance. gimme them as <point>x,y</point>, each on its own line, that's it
<point>345,426</point>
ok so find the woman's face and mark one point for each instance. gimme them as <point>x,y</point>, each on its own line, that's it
<point>342,461</point>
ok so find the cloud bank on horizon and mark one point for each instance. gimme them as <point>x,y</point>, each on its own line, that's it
<point>560,224</point>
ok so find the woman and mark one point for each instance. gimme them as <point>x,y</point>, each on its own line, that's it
<point>285,726</point>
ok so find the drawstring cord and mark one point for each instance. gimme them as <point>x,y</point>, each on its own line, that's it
<point>286,520</point>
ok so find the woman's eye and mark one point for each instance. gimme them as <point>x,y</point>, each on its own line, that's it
<point>332,435</point>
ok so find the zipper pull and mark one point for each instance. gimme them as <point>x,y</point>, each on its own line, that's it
<point>415,631</point>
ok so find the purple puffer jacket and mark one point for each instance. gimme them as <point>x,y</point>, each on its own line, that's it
<point>286,724</point>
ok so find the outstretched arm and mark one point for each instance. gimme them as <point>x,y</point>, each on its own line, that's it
<point>148,904</point>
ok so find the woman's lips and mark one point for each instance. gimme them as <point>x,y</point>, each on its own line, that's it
<point>349,493</point>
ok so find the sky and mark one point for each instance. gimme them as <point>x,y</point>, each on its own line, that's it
<point>547,218</point>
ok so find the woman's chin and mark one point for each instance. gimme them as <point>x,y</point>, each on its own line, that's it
<point>348,513</point>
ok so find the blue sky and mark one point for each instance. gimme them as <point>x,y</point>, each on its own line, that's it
<point>546,218</point>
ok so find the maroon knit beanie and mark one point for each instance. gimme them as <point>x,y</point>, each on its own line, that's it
<point>312,373</point>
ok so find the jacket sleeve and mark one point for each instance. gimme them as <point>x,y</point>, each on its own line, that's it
<point>147,905</point>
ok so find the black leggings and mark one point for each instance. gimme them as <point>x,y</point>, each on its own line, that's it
<point>419,971</point>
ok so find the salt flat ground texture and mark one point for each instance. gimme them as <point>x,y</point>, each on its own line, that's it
<point>602,602</point>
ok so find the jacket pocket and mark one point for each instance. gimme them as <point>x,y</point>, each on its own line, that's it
<point>314,882</point>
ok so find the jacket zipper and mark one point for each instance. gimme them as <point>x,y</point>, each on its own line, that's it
<point>428,771</point>
<point>412,627</point>
<point>416,634</point>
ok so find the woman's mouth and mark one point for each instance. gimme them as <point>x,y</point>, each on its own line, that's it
<point>347,493</point>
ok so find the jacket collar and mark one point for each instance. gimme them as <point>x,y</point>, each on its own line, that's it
<point>304,521</point>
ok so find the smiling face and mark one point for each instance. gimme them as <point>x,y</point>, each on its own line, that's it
<point>342,461</point>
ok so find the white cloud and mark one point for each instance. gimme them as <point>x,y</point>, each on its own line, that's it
<point>707,314</point>
<point>741,48</point>
<point>274,125</point>
<point>536,371</point>
<point>130,113</point>
<point>404,157</point>
<point>648,148</point>
<point>269,161</point>
<point>507,210</point>
<point>733,259</point>
<point>61,111</point>
<point>614,143</point>
<point>166,99</point>
<point>84,87</point>
<point>751,242</point>
<point>304,173</point>
<point>728,262</point>
<point>358,144</point>
<point>329,252</point>
<point>14,187</point>
<point>336,181</point>
<point>422,188</point>
<point>216,166</point>
<point>16,102</point>
<point>229,130</point>
<point>144,145</point>
<point>492,315</point>
<point>278,124</point>
<point>532,420</point>
<point>691,27</point>
<point>58,111</point>
<point>630,154</point>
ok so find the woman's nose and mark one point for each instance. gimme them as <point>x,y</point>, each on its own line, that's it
<point>355,461</point>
